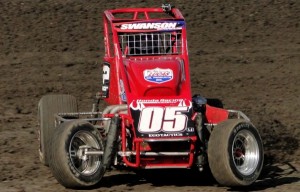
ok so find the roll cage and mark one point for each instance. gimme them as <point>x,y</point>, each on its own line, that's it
<point>144,31</point>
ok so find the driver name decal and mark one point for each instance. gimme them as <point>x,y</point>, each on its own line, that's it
<point>158,75</point>
<point>153,26</point>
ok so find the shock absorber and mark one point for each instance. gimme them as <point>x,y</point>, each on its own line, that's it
<point>199,103</point>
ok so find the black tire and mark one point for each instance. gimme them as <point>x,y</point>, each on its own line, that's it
<point>67,164</point>
<point>235,153</point>
<point>47,107</point>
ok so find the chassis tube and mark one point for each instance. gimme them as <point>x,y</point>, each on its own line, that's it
<point>137,163</point>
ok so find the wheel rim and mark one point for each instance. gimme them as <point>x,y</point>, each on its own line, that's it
<point>86,165</point>
<point>245,152</point>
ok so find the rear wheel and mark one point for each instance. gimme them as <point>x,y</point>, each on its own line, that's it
<point>235,153</point>
<point>47,107</point>
<point>68,161</point>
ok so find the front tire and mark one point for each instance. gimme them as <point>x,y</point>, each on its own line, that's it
<point>235,153</point>
<point>68,163</point>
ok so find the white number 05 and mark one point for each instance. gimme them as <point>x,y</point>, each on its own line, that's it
<point>169,119</point>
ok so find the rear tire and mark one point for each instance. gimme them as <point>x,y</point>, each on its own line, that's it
<point>47,107</point>
<point>68,163</point>
<point>235,153</point>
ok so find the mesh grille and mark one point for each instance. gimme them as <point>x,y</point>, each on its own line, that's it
<point>150,43</point>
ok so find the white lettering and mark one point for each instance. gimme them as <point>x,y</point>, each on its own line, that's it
<point>169,119</point>
<point>166,135</point>
<point>139,26</point>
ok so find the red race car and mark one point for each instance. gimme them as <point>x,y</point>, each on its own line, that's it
<point>151,121</point>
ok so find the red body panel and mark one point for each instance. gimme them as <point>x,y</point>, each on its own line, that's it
<point>215,115</point>
<point>147,75</point>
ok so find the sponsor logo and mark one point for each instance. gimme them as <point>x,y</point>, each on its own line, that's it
<point>105,79</point>
<point>155,26</point>
<point>166,135</point>
<point>158,75</point>
<point>122,89</point>
<point>140,104</point>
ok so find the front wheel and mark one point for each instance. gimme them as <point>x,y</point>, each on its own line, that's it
<point>68,161</point>
<point>235,153</point>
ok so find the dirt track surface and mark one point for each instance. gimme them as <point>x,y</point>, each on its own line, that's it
<point>245,53</point>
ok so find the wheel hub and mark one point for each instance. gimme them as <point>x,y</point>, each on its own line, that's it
<point>81,142</point>
<point>245,152</point>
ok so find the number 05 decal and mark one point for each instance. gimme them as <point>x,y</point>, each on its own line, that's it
<point>169,119</point>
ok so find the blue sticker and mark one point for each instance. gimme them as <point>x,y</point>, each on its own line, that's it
<point>122,89</point>
<point>158,75</point>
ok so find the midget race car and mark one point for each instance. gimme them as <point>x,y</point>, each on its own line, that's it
<point>151,119</point>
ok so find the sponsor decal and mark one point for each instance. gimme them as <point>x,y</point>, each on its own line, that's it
<point>158,75</point>
<point>105,79</point>
<point>166,135</point>
<point>140,104</point>
<point>152,26</point>
<point>123,94</point>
